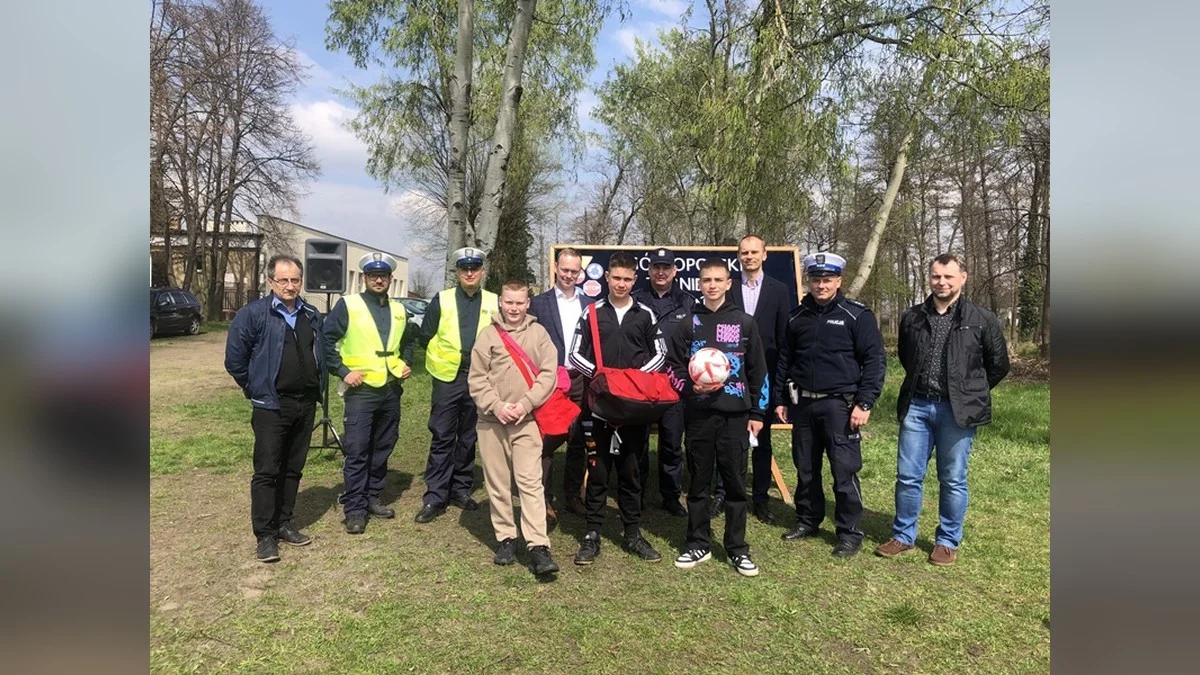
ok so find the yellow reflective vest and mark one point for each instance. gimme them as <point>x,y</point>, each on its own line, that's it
<point>361,347</point>
<point>443,355</point>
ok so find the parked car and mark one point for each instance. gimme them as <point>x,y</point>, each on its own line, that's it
<point>416,308</point>
<point>173,310</point>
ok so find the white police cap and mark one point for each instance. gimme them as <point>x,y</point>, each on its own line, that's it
<point>824,264</point>
<point>377,262</point>
<point>468,257</point>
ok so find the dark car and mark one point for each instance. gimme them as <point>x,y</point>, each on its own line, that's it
<point>173,310</point>
<point>416,308</point>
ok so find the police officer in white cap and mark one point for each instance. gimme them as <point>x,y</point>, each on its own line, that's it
<point>363,335</point>
<point>830,372</point>
<point>452,320</point>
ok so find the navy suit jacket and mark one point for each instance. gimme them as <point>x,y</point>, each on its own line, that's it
<point>771,314</point>
<point>544,308</point>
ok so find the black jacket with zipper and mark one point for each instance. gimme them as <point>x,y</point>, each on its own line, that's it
<point>735,333</point>
<point>976,359</point>
<point>635,342</point>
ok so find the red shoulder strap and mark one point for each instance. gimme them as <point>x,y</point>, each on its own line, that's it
<point>518,355</point>
<point>592,319</point>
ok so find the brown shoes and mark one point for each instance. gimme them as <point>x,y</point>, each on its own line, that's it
<point>943,556</point>
<point>892,548</point>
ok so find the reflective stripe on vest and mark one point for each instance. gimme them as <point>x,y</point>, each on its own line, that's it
<point>443,354</point>
<point>361,346</point>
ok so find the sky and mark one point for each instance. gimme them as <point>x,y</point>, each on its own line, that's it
<point>345,200</point>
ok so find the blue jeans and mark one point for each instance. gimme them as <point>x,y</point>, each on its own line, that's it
<point>930,424</point>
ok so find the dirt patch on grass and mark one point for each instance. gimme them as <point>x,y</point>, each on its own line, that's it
<point>188,369</point>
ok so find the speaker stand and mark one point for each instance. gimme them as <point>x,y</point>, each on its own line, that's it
<point>325,424</point>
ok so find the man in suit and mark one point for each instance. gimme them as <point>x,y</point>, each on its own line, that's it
<point>558,310</point>
<point>769,302</point>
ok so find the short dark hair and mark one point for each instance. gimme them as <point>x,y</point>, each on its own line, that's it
<point>515,284</point>
<point>946,259</point>
<point>622,259</point>
<point>276,259</point>
<point>714,262</point>
<point>567,251</point>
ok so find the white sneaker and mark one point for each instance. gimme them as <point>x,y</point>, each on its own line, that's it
<point>744,565</point>
<point>689,559</point>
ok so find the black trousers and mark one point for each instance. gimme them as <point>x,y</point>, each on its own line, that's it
<point>372,426</point>
<point>760,460</point>
<point>575,462</point>
<point>600,462</point>
<point>281,440</point>
<point>670,455</point>
<point>822,427</point>
<point>450,471</point>
<point>717,441</point>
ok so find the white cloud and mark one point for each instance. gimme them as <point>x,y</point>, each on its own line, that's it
<point>672,8</point>
<point>337,148</point>
<point>368,215</point>
<point>646,32</point>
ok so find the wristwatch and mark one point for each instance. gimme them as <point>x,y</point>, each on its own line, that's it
<point>866,407</point>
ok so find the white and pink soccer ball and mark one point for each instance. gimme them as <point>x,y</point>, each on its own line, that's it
<point>709,366</point>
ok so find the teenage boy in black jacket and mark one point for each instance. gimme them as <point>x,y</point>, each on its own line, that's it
<point>629,338</point>
<point>720,418</point>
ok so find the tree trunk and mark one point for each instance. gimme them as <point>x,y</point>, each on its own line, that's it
<point>989,253</point>
<point>881,218</point>
<point>506,121</point>
<point>460,122</point>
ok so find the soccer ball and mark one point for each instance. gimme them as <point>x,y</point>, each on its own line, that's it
<point>709,366</point>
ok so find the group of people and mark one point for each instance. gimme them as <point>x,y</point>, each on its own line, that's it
<point>495,359</point>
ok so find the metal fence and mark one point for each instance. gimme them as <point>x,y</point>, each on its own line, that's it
<point>235,299</point>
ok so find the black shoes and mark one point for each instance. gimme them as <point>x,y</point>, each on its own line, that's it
<point>540,561</point>
<point>589,548</point>
<point>717,506</point>
<point>641,548</point>
<point>465,503</point>
<point>356,524</point>
<point>428,513</point>
<point>762,511</point>
<point>575,505</point>
<point>673,507</point>
<point>268,550</point>
<point>378,509</point>
<point>846,548</point>
<point>799,532</point>
<point>506,552</point>
<point>290,535</point>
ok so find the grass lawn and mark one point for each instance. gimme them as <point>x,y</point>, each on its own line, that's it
<point>427,598</point>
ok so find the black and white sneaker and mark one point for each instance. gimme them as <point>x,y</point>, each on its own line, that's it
<point>689,559</point>
<point>744,565</point>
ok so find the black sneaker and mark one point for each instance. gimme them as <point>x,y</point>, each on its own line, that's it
<point>692,557</point>
<point>744,565</point>
<point>589,548</point>
<point>673,507</point>
<point>799,532</point>
<point>290,535</point>
<point>641,548</point>
<point>540,561</point>
<point>428,513</point>
<point>268,550</point>
<point>762,511</point>
<point>506,552</point>
<point>465,503</point>
<point>381,511</point>
<point>846,548</point>
<point>356,524</point>
<point>716,506</point>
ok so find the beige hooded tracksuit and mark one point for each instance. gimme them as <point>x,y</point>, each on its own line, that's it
<point>509,451</point>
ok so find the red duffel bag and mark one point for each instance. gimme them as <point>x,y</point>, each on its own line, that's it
<point>623,396</point>
<point>555,416</point>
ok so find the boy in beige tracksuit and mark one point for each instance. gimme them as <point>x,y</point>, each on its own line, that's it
<point>510,444</point>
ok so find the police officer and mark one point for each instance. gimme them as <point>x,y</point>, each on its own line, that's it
<point>670,304</point>
<point>363,334</point>
<point>453,319</point>
<point>830,372</point>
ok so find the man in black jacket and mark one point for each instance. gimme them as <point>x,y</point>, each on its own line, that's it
<point>670,304</point>
<point>629,338</point>
<point>721,417</point>
<point>275,353</point>
<point>768,300</point>
<point>830,372</point>
<point>953,353</point>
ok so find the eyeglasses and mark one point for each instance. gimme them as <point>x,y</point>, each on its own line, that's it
<point>376,277</point>
<point>287,282</point>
